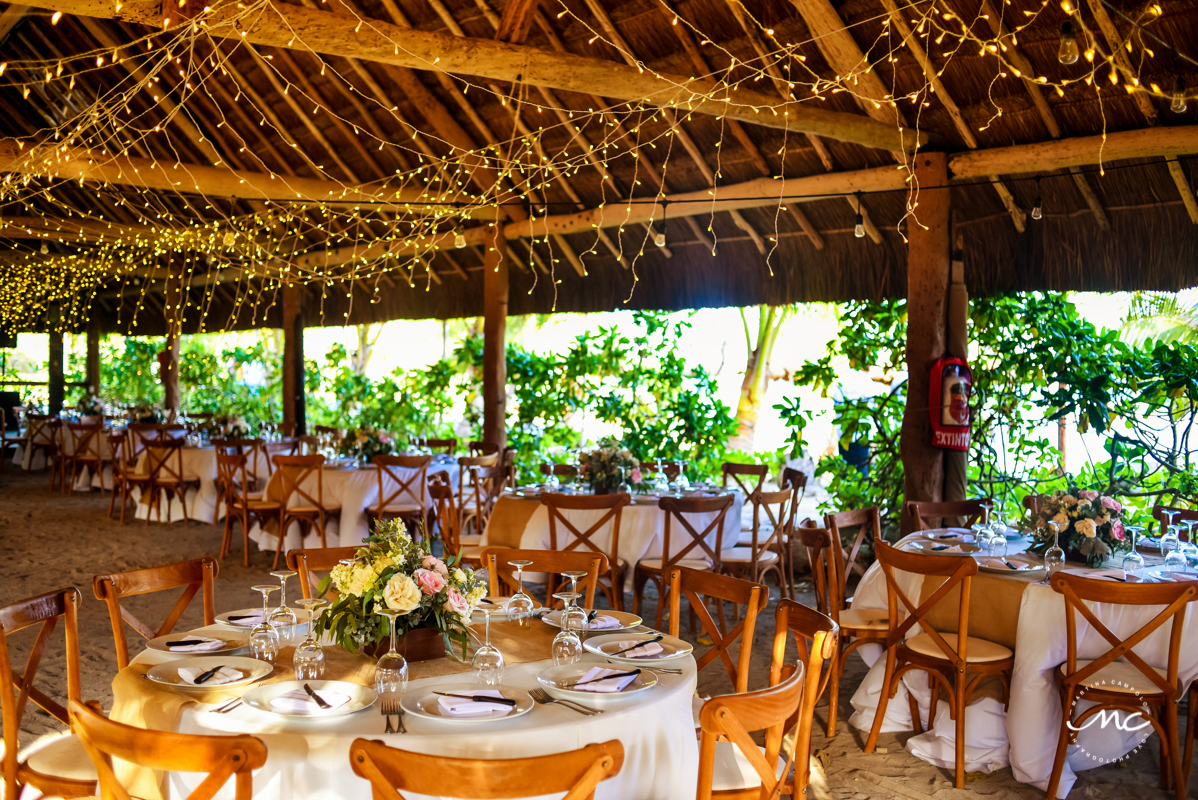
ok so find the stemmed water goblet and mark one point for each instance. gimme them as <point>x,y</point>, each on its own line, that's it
<point>519,605</point>
<point>1054,557</point>
<point>661,482</point>
<point>283,618</point>
<point>309,655</point>
<point>567,646</point>
<point>264,639</point>
<point>576,614</point>
<point>391,672</point>
<point>684,482</point>
<point>1133,561</point>
<point>488,661</point>
<point>1175,558</point>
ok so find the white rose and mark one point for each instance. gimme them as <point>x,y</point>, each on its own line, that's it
<point>361,579</point>
<point>1061,519</point>
<point>1086,528</point>
<point>459,576</point>
<point>401,593</point>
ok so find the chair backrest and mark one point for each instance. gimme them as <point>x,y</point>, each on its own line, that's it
<point>484,449</point>
<point>294,471</point>
<point>441,492</point>
<point>551,562</point>
<point>118,445</point>
<point>1174,597</point>
<point>1179,515</point>
<point>508,462</point>
<point>465,476</point>
<point>573,538</point>
<point>16,690</point>
<point>231,474</point>
<point>407,490</point>
<point>698,584</point>
<point>735,717</point>
<point>165,459</point>
<point>486,483</point>
<point>868,522</point>
<point>222,757</point>
<point>43,429</point>
<point>575,772</point>
<point>1031,502</point>
<point>906,612</point>
<point>198,575</point>
<point>677,510</point>
<point>560,470</point>
<point>85,439</point>
<point>827,569</point>
<point>793,479</point>
<point>447,446</point>
<point>807,625</point>
<point>771,519</point>
<point>172,430</point>
<point>923,514</point>
<point>320,559</point>
<point>307,445</point>
<point>139,434</point>
<point>253,449</point>
<point>748,477</point>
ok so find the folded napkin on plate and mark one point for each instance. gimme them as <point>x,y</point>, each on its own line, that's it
<point>646,650</point>
<point>1011,564</point>
<point>247,620</point>
<point>225,675</point>
<point>601,622</point>
<point>297,701</point>
<point>205,644</point>
<point>462,707</point>
<point>604,686</point>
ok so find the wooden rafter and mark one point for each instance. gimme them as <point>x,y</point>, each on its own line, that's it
<point>516,22</point>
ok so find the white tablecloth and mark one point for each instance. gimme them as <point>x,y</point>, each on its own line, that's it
<point>198,462</point>
<point>1025,736</point>
<point>309,760</point>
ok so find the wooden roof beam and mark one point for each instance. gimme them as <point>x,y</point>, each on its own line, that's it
<point>516,22</point>
<point>9,18</point>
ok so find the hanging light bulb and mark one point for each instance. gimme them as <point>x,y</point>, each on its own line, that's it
<point>45,250</point>
<point>1178,106</point>
<point>859,227</point>
<point>1038,208</point>
<point>459,240</point>
<point>659,238</point>
<point>1069,51</point>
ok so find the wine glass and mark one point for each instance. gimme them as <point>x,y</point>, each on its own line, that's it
<point>1133,561</point>
<point>488,661</point>
<point>283,618</point>
<point>309,655</point>
<point>623,487</point>
<point>572,612</point>
<point>1171,538</point>
<point>391,673</point>
<point>519,605</point>
<point>566,647</point>
<point>1054,557</point>
<point>661,482</point>
<point>264,639</point>
<point>1190,550</point>
<point>684,482</point>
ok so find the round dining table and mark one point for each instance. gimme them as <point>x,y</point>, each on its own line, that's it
<point>308,759</point>
<point>1017,610</point>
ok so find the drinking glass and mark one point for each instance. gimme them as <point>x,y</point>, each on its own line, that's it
<point>623,487</point>
<point>552,482</point>
<point>683,481</point>
<point>987,505</point>
<point>519,605</point>
<point>264,639</point>
<point>1190,550</point>
<point>1171,538</point>
<point>576,615</point>
<point>488,661</point>
<point>1133,561</point>
<point>283,618</point>
<point>567,647</point>
<point>309,655</point>
<point>391,673</point>
<point>661,483</point>
<point>1054,557</point>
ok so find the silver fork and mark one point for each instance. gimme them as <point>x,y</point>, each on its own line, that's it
<point>544,698</point>
<point>385,710</point>
<point>399,717</point>
<point>227,707</point>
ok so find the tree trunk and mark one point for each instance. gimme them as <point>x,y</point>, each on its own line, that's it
<point>757,372</point>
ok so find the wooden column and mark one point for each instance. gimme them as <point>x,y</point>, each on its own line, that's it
<point>495,297</point>
<point>57,386</point>
<point>927,316</point>
<point>956,479</point>
<point>93,356</point>
<point>168,360</point>
<point>294,410</point>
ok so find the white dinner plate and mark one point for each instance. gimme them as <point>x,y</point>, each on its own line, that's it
<point>948,548</point>
<point>360,697</point>
<point>606,645</point>
<point>233,642</point>
<point>625,619</point>
<point>526,494</point>
<point>167,673</point>
<point>1016,564</point>
<point>423,703</point>
<point>557,681</point>
<point>498,610</point>
<point>301,616</point>
<point>645,499</point>
<point>948,535</point>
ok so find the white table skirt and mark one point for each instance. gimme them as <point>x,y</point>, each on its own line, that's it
<point>1025,735</point>
<point>202,505</point>
<point>310,760</point>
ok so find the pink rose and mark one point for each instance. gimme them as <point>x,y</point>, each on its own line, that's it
<point>429,581</point>
<point>636,476</point>
<point>1111,504</point>
<point>435,564</point>
<point>1087,495</point>
<point>455,603</point>
<point>1117,529</point>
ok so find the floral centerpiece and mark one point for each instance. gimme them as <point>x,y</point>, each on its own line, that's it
<point>394,569</point>
<point>235,427</point>
<point>1091,525</point>
<point>147,413</point>
<point>367,441</point>
<point>90,406</point>
<point>608,466</point>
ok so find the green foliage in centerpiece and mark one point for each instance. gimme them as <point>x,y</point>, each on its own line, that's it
<point>602,466</point>
<point>393,568</point>
<point>368,441</point>
<point>1092,525</point>
<point>90,406</point>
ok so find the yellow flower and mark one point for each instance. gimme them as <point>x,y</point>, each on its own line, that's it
<point>1061,519</point>
<point>361,579</point>
<point>401,594</point>
<point>1086,528</point>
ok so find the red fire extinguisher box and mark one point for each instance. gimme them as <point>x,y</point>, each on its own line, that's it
<point>948,402</point>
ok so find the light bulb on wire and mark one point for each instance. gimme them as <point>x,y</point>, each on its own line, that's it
<point>859,227</point>
<point>1178,106</point>
<point>1038,208</point>
<point>1069,51</point>
<point>659,238</point>
<point>44,249</point>
<point>459,239</point>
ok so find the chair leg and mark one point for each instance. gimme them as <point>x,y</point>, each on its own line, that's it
<point>112,501</point>
<point>227,539</point>
<point>1191,721</point>
<point>1179,783</point>
<point>1058,762</point>
<point>320,527</point>
<point>883,700</point>
<point>958,700</point>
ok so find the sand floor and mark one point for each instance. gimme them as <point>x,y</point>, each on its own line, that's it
<point>50,541</point>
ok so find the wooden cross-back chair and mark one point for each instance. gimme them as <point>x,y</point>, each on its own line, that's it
<point>54,768</point>
<point>44,435</point>
<point>486,484</point>
<point>172,430</point>
<point>575,772</point>
<point>728,722</point>
<point>1031,502</point>
<point>1109,680</point>
<point>10,441</point>
<point>408,500</point>
<point>551,563</point>
<point>924,514</point>
<point>125,473</point>
<point>140,433</point>
<point>808,626</point>
<point>445,511</point>
<point>446,446</point>
<point>855,626</point>
<point>311,510</point>
<point>762,548</point>
<point>329,430</point>
<point>483,449</point>
<point>85,452</point>
<point>1180,515</point>
<point>240,503</point>
<point>256,458</point>
<point>689,548</point>
<point>868,522</point>
<point>573,538</point>
<point>195,576</point>
<point>318,559</point>
<point>696,585</point>
<point>165,462</point>
<point>222,757</point>
<point>508,462</point>
<point>949,658</point>
<point>749,478</point>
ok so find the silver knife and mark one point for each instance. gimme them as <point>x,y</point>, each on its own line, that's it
<point>320,701</point>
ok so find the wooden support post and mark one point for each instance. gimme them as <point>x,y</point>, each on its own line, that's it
<point>927,300</point>
<point>294,409</point>
<point>956,462</point>
<point>93,356</point>
<point>57,386</point>
<point>495,297</point>
<point>168,360</point>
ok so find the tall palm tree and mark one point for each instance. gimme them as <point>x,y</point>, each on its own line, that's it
<point>1161,316</point>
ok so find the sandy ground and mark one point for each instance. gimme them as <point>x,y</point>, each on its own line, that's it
<point>51,541</point>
